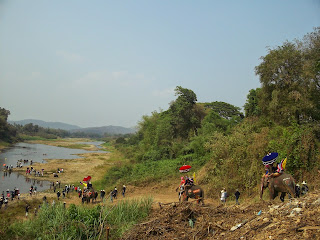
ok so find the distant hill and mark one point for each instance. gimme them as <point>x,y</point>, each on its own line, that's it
<point>74,129</point>
<point>56,125</point>
<point>105,129</point>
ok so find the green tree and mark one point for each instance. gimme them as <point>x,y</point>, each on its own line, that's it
<point>251,107</point>
<point>225,110</point>
<point>285,93</point>
<point>7,131</point>
<point>183,113</point>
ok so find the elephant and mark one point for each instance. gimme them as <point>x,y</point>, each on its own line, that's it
<point>88,195</point>
<point>195,192</point>
<point>284,183</point>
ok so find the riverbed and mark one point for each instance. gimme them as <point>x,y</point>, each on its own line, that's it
<point>37,153</point>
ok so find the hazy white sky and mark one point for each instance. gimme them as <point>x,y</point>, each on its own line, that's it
<point>97,63</point>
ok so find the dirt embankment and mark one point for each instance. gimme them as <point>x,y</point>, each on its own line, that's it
<point>296,219</point>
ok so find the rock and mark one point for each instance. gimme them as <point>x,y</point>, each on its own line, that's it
<point>236,227</point>
<point>297,210</point>
<point>316,202</point>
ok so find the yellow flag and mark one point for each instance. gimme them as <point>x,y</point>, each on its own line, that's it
<point>194,178</point>
<point>284,163</point>
<point>84,184</point>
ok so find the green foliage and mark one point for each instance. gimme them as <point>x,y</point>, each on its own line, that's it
<point>290,81</point>
<point>251,107</point>
<point>185,118</point>
<point>7,131</point>
<point>224,110</point>
<point>79,222</point>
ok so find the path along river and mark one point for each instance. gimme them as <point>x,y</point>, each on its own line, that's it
<point>36,153</point>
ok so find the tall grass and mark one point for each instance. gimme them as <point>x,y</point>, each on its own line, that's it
<point>81,222</point>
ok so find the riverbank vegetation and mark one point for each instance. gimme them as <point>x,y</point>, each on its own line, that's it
<point>79,222</point>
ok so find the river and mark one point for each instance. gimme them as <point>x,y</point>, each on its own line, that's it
<point>36,153</point>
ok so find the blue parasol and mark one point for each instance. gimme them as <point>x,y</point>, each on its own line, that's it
<point>270,158</point>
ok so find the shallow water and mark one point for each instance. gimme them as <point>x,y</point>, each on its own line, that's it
<point>36,153</point>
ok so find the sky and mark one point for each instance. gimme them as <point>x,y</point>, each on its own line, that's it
<point>99,63</point>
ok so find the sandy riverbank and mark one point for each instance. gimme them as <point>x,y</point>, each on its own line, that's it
<point>74,170</point>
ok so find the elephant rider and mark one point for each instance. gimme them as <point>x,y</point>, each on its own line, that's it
<point>183,181</point>
<point>189,181</point>
<point>271,170</point>
<point>181,187</point>
<point>276,170</point>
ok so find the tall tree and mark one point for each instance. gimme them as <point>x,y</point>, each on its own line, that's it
<point>251,107</point>
<point>285,92</point>
<point>225,110</point>
<point>7,131</point>
<point>183,113</point>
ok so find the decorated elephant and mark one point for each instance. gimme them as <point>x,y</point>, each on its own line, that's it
<point>195,192</point>
<point>284,183</point>
<point>88,195</point>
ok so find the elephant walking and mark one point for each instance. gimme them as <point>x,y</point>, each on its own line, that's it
<point>89,195</point>
<point>283,184</point>
<point>195,192</point>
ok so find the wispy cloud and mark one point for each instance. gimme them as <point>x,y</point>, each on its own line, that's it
<point>116,79</point>
<point>164,93</point>
<point>70,57</point>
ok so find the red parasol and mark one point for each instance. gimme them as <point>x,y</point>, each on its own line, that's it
<point>86,179</point>
<point>185,168</point>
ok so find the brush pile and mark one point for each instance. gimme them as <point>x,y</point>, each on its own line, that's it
<point>295,219</point>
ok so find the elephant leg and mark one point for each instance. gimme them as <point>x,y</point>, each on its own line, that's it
<point>292,190</point>
<point>283,194</point>
<point>271,193</point>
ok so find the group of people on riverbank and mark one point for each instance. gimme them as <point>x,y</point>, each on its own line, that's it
<point>9,195</point>
<point>31,170</point>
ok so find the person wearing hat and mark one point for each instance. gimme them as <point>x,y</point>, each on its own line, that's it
<point>124,188</point>
<point>224,195</point>
<point>269,161</point>
<point>304,188</point>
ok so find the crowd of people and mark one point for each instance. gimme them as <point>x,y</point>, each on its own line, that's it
<point>9,195</point>
<point>85,191</point>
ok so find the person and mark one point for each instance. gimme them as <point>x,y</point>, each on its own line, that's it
<point>124,188</point>
<point>58,195</point>
<point>182,182</point>
<point>298,190</point>
<point>304,188</point>
<point>189,181</point>
<point>237,195</point>
<point>224,195</point>
<point>111,195</point>
<point>115,192</point>
<point>27,210</point>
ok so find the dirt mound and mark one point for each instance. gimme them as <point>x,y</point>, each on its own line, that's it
<point>295,219</point>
